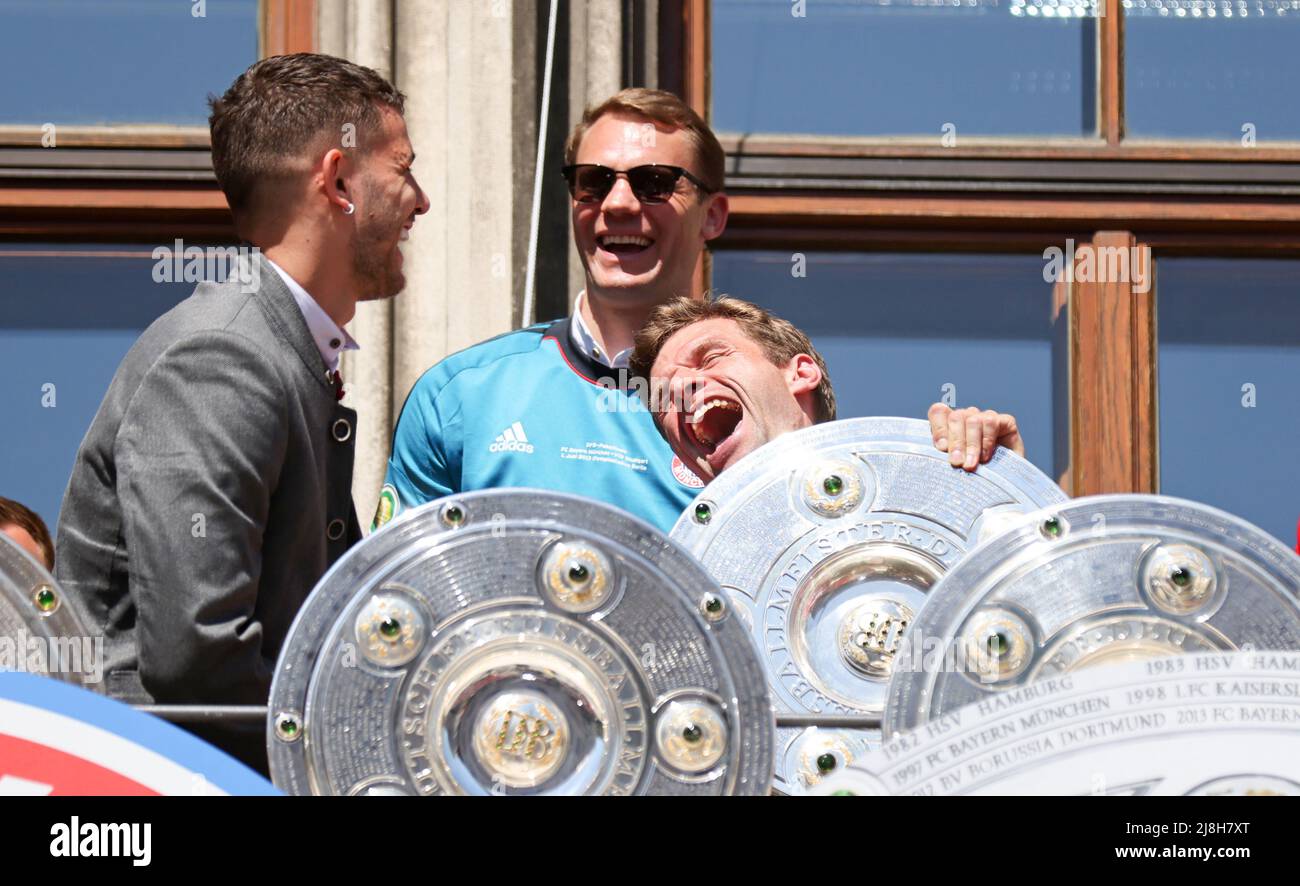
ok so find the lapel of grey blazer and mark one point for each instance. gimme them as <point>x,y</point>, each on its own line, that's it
<point>285,317</point>
<point>288,322</point>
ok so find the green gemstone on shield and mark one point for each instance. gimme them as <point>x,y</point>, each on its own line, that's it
<point>1182,576</point>
<point>826,762</point>
<point>713,605</point>
<point>692,733</point>
<point>45,599</point>
<point>703,513</point>
<point>1051,527</point>
<point>833,485</point>
<point>390,627</point>
<point>455,514</point>
<point>578,572</point>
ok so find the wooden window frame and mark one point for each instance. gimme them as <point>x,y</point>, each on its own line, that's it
<point>1018,195</point>
<point>1113,427</point>
<point>694,19</point>
<point>118,183</point>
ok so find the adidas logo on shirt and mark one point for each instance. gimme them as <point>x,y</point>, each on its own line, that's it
<point>512,439</point>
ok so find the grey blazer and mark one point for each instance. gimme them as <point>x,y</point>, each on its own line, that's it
<point>211,492</point>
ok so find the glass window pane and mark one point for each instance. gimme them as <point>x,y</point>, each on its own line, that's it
<point>896,329</point>
<point>879,67</point>
<point>81,62</point>
<point>68,314</point>
<point>1221,69</point>
<point>1229,339</point>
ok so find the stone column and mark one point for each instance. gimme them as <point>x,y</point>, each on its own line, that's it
<point>466,69</point>
<point>595,73</point>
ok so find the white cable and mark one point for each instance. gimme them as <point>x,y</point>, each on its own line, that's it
<point>530,280</point>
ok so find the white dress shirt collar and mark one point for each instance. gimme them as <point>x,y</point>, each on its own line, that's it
<point>585,342</point>
<point>331,341</point>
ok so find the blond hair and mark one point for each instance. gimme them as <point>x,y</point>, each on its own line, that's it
<point>667,109</point>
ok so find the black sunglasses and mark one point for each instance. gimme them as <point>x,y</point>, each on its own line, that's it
<point>655,183</point>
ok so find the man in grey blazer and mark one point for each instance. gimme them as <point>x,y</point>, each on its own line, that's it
<point>213,488</point>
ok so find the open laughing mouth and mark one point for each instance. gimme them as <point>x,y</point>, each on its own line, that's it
<point>624,244</point>
<point>712,428</point>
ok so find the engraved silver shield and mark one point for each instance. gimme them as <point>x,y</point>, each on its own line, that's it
<point>1102,579</point>
<point>519,642</point>
<point>827,540</point>
<point>1208,724</point>
<point>42,630</point>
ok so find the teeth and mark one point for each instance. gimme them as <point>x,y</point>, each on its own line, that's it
<point>625,239</point>
<point>406,234</point>
<point>702,410</point>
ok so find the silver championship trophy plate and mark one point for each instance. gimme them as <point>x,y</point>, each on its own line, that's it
<point>1208,724</point>
<point>41,630</point>
<point>827,540</point>
<point>1100,580</point>
<point>519,642</point>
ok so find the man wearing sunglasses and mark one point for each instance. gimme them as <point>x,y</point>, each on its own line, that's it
<point>543,407</point>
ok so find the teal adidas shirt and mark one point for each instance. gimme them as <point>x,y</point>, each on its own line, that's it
<point>529,409</point>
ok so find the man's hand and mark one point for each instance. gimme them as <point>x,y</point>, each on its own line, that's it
<point>970,435</point>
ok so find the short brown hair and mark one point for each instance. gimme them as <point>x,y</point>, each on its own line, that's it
<point>779,339</point>
<point>283,105</point>
<point>14,513</point>
<point>661,107</point>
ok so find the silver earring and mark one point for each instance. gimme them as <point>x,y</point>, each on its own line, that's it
<point>351,209</point>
